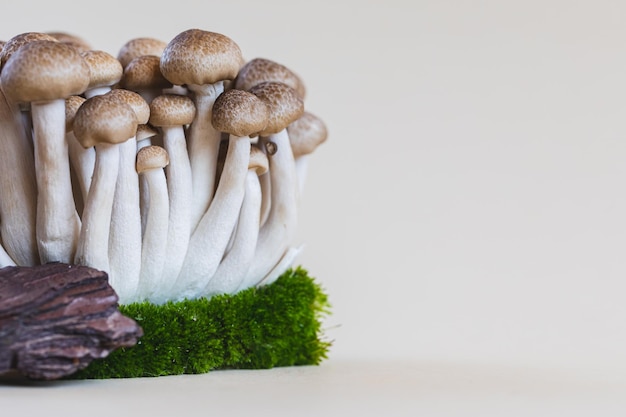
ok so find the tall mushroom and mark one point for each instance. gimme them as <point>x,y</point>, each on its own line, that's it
<point>125,234</point>
<point>171,113</point>
<point>150,163</point>
<point>242,115</point>
<point>44,73</point>
<point>202,60</point>
<point>237,260</point>
<point>103,123</point>
<point>277,232</point>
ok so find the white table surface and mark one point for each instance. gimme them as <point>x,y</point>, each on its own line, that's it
<point>335,388</point>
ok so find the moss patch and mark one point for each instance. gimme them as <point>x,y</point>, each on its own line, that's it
<point>258,328</point>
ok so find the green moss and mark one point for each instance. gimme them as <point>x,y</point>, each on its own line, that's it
<point>259,328</point>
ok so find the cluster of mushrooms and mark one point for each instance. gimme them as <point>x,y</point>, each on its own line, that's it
<point>176,167</point>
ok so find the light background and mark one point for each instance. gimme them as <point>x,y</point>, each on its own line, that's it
<point>470,203</point>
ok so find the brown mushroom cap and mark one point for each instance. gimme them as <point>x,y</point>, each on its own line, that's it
<point>139,47</point>
<point>44,70</point>
<point>74,40</point>
<point>143,73</point>
<point>17,41</point>
<point>200,57</point>
<point>283,102</point>
<point>145,131</point>
<point>306,134</point>
<point>260,70</point>
<point>72,104</point>
<point>102,120</point>
<point>258,160</point>
<point>151,157</point>
<point>239,113</point>
<point>134,100</point>
<point>171,110</point>
<point>104,68</point>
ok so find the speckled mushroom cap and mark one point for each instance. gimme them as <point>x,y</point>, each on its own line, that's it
<point>171,110</point>
<point>239,113</point>
<point>260,70</point>
<point>104,69</point>
<point>102,120</point>
<point>145,131</point>
<point>17,41</point>
<point>139,47</point>
<point>151,157</point>
<point>72,103</point>
<point>200,57</point>
<point>143,73</point>
<point>306,134</point>
<point>71,39</point>
<point>44,70</point>
<point>258,160</point>
<point>283,102</point>
<point>134,100</point>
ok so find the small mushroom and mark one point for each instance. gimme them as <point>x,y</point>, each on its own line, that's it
<point>276,233</point>
<point>150,163</point>
<point>305,135</point>
<point>170,113</point>
<point>202,60</point>
<point>242,115</point>
<point>233,268</point>
<point>103,123</point>
<point>259,70</point>
<point>81,159</point>
<point>44,73</point>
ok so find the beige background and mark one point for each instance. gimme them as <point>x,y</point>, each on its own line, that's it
<point>470,204</point>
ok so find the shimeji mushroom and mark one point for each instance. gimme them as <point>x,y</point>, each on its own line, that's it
<point>71,39</point>
<point>103,123</point>
<point>171,113</point>
<point>139,47</point>
<point>44,73</point>
<point>17,213</point>
<point>104,72</point>
<point>305,135</point>
<point>257,71</point>
<point>125,234</point>
<point>237,260</point>
<point>242,115</point>
<point>276,233</point>
<point>202,60</point>
<point>143,76</point>
<point>150,163</point>
<point>17,41</point>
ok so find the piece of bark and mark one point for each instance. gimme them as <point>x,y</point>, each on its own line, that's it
<point>57,318</point>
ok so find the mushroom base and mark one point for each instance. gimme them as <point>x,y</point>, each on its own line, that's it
<point>279,324</point>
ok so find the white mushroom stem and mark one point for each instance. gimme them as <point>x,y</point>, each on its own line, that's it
<point>125,232</point>
<point>280,227</point>
<point>266,197</point>
<point>18,213</point>
<point>83,161</point>
<point>154,245</point>
<point>286,262</point>
<point>94,234</point>
<point>210,238</point>
<point>302,167</point>
<point>204,143</point>
<point>234,266</point>
<point>58,224</point>
<point>179,181</point>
